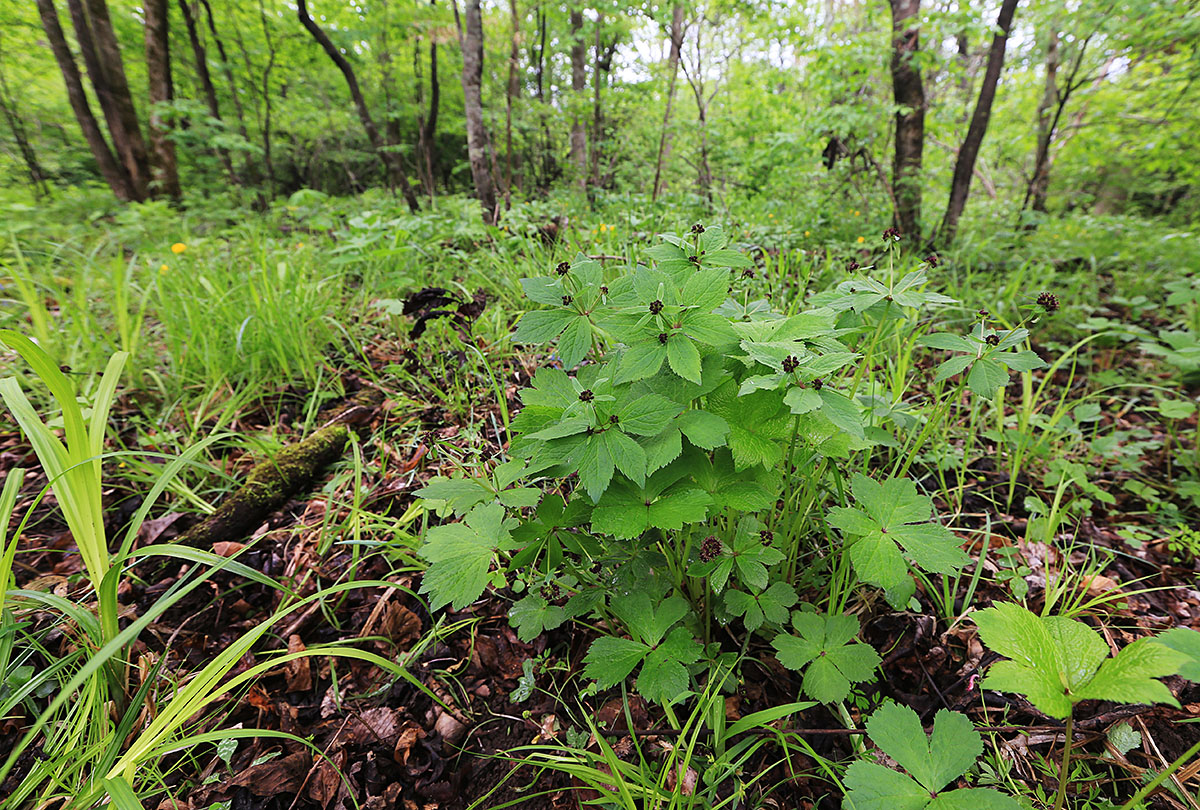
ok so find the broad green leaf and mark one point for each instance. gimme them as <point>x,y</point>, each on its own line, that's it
<point>460,556</point>
<point>1187,642</point>
<point>873,787</point>
<point>533,615</point>
<point>684,358</point>
<point>703,429</point>
<point>641,361</point>
<point>542,325</point>
<point>575,342</point>
<point>611,660</point>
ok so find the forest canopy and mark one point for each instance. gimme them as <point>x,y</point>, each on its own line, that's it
<point>1094,103</point>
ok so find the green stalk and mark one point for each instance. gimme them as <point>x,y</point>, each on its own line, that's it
<point>1063,771</point>
<point>1150,786</point>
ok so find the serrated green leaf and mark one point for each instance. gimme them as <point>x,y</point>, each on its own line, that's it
<point>712,330</point>
<point>987,377</point>
<point>544,289</point>
<point>824,645</point>
<point>575,341</point>
<point>595,466</point>
<point>542,325</point>
<point>873,787</point>
<point>610,660</point>
<point>640,361</point>
<point>953,748</point>
<point>842,411</point>
<point>1129,677</point>
<point>460,556</point>
<point>627,455</point>
<point>647,415</point>
<point>955,365</point>
<point>533,615</point>
<point>684,358</point>
<point>706,289</point>
<point>703,429</point>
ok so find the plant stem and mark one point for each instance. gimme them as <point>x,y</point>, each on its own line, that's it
<point>1064,769</point>
<point>1162,777</point>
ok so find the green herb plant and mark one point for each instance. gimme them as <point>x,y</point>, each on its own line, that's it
<point>668,437</point>
<point>1057,662</point>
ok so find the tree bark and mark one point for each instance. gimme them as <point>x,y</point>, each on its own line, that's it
<point>578,84</point>
<point>206,83</point>
<point>664,138</point>
<point>111,169</point>
<point>514,87</point>
<point>106,70</point>
<point>391,161</point>
<point>909,94</point>
<point>471,42</point>
<point>964,166</point>
<point>163,164</point>
<point>8,104</point>
<point>1039,183</point>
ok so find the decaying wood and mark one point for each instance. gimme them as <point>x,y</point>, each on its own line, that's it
<point>273,482</point>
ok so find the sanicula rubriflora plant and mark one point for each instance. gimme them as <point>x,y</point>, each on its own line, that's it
<point>672,438</point>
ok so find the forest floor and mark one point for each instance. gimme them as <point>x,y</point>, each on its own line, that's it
<point>484,713</point>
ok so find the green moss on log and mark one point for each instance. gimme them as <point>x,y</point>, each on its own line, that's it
<point>269,487</point>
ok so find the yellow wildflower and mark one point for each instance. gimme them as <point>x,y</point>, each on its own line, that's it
<point>178,247</point>
<point>806,233</point>
<point>163,269</point>
<point>861,239</point>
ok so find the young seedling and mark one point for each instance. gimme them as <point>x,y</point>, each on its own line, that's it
<point>1057,662</point>
<point>825,648</point>
<point>932,764</point>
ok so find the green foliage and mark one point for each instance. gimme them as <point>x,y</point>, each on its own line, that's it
<point>1057,662</point>
<point>932,763</point>
<point>890,517</point>
<point>825,649</point>
<point>989,354</point>
<point>664,656</point>
<point>460,555</point>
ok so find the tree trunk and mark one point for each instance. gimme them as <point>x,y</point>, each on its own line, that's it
<point>227,69</point>
<point>909,94</point>
<point>471,41</point>
<point>391,161</point>
<point>8,104</point>
<point>964,166</point>
<point>106,70</point>
<point>111,169</point>
<point>514,87</point>
<point>163,164</point>
<point>664,138</point>
<point>206,83</point>
<point>1039,183</point>
<point>578,83</point>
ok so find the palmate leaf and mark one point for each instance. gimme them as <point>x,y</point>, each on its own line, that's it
<point>1057,662</point>
<point>933,763</point>
<point>755,608</point>
<point>532,615</point>
<point>826,650</point>
<point>888,517</point>
<point>757,423</point>
<point>663,652</point>
<point>665,502</point>
<point>460,556</point>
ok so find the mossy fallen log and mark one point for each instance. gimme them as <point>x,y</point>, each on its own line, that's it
<point>274,481</point>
